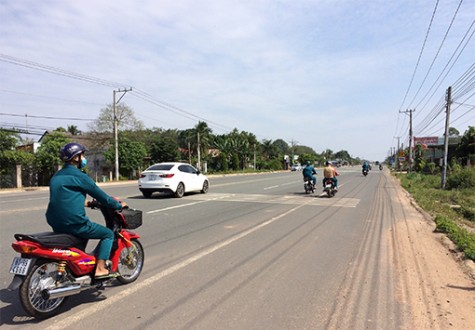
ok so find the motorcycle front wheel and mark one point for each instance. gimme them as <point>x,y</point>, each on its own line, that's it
<point>41,277</point>
<point>131,261</point>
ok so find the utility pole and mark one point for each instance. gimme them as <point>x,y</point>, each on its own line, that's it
<point>116,133</point>
<point>409,111</point>
<point>198,151</point>
<point>293,143</point>
<point>446,137</point>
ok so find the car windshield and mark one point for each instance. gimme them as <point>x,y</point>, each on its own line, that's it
<point>160,167</point>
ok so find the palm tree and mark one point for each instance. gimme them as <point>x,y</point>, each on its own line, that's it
<point>268,149</point>
<point>203,138</point>
<point>73,130</point>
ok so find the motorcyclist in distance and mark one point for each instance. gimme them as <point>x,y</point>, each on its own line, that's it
<point>365,167</point>
<point>308,172</point>
<point>330,172</point>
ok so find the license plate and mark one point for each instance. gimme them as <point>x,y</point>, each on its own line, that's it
<point>152,177</point>
<point>20,266</point>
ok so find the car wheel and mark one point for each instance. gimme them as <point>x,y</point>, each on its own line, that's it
<point>180,190</point>
<point>147,194</point>
<point>205,187</point>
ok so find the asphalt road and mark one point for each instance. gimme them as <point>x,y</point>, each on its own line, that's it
<point>256,252</point>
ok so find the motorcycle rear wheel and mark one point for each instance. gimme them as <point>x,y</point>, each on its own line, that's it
<point>131,261</point>
<point>41,277</point>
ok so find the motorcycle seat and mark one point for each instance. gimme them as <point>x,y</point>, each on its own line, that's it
<point>54,240</point>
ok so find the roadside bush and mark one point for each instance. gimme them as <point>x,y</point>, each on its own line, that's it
<point>461,179</point>
<point>432,168</point>
<point>274,165</point>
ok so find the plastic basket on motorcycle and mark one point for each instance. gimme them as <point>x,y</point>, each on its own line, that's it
<point>132,217</point>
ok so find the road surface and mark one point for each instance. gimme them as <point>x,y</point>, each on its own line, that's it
<point>256,252</point>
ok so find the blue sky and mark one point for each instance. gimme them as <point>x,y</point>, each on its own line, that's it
<point>322,73</point>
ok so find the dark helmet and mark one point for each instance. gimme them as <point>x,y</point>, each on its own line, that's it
<point>68,151</point>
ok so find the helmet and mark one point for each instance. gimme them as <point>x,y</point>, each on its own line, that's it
<point>308,163</point>
<point>327,163</point>
<point>68,151</point>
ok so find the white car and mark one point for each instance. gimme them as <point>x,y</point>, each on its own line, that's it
<point>177,178</point>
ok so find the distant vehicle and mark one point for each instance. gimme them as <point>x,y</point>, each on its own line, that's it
<point>173,177</point>
<point>296,167</point>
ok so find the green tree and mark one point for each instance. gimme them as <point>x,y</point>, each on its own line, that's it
<point>327,154</point>
<point>203,135</point>
<point>165,150</point>
<point>10,157</point>
<point>466,148</point>
<point>453,131</point>
<point>131,156</point>
<point>47,156</point>
<point>282,148</point>
<point>269,149</point>
<point>73,130</point>
<point>8,139</point>
<point>419,160</point>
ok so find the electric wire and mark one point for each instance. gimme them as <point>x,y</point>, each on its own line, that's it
<point>136,92</point>
<point>43,117</point>
<point>438,109</point>
<point>420,54</point>
<point>61,72</point>
<point>437,53</point>
<point>415,70</point>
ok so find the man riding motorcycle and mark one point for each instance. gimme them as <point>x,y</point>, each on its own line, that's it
<point>308,172</point>
<point>329,172</point>
<point>365,167</point>
<point>66,214</point>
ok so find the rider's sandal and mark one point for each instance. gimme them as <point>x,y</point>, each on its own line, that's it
<point>107,276</point>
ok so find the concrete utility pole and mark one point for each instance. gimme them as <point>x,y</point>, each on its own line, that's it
<point>409,111</point>
<point>198,151</point>
<point>116,133</point>
<point>446,136</point>
<point>293,143</point>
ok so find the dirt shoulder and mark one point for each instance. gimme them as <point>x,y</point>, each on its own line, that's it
<point>435,283</point>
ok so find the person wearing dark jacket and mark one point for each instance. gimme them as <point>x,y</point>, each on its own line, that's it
<point>66,208</point>
<point>308,172</point>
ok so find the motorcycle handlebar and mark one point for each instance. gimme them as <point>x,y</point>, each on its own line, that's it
<point>95,204</point>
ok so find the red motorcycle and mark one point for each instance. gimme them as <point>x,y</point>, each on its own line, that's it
<point>54,266</point>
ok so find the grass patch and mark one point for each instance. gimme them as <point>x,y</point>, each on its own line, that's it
<point>464,239</point>
<point>453,210</point>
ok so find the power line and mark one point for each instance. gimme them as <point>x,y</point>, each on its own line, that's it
<point>138,93</point>
<point>57,71</point>
<point>446,66</point>
<point>438,52</point>
<point>169,107</point>
<point>420,55</point>
<point>44,117</point>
